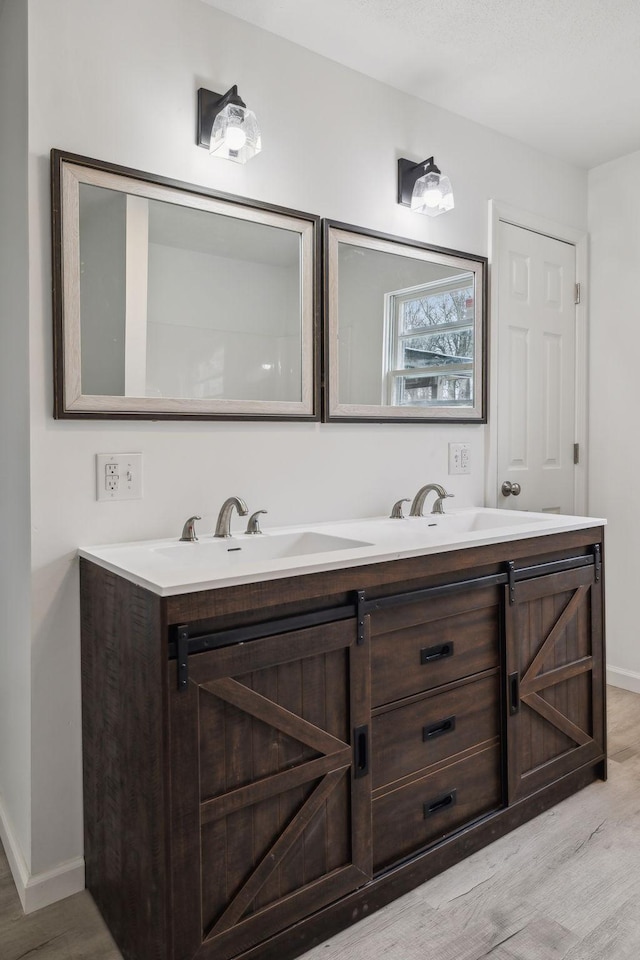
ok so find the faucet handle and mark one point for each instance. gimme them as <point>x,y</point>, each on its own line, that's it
<point>189,530</point>
<point>437,506</point>
<point>253,524</point>
<point>396,510</point>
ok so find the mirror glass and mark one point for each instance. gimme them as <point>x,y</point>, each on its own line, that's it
<point>404,328</point>
<point>181,303</point>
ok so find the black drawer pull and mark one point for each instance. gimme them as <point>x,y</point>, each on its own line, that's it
<point>438,804</point>
<point>440,652</point>
<point>438,728</point>
<point>361,749</point>
<point>514,693</point>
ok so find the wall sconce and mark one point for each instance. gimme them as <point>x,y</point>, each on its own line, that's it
<point>225,126</point>
<point>422,187</point>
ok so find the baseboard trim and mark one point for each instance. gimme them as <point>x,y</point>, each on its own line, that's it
<point>41,889</point>
<point>627,679</point>
<point>53,885</point>
<point>15,856</point>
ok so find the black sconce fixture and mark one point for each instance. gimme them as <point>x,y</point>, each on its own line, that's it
<point>225,126</point>
<point>422,187</point>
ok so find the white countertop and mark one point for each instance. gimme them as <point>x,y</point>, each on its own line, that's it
<point>169,567</point>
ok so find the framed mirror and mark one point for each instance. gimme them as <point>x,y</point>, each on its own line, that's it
<point>404,328</point>
<point>173,301</point>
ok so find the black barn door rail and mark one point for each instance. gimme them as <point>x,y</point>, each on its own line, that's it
<point>184,641</point>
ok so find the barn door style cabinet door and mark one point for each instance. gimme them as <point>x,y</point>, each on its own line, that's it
<point>269,778</point>
<point>554,676</point>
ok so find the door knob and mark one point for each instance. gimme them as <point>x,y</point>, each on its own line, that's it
<point>508,488</point>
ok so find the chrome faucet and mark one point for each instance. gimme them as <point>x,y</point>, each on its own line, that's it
<point>421,496</point>
<point>223,526</point>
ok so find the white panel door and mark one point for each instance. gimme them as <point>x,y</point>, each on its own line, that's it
<point>536,370</point>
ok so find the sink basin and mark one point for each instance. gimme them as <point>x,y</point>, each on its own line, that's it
<point>467,521</point>
<point>434,527</point>
<point>254,549</point>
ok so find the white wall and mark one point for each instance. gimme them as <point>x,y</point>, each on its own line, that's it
<point>614,224</point>
<point>213,322</point>
<point>15,652</point>
<point>118,82</point>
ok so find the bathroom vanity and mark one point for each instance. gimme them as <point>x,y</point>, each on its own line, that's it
<point>275,750</point>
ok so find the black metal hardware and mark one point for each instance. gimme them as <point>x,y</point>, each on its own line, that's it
<point>361,752</point>
<point>256,631</point>
<point>511,580</point>
<point>597,559</point>
<point>183,657</point>
<point>361,615</point>
<point>438,728</point>
<point>415,596</point>
<point>514,693</point>
<point>438,804</point>
<point>197,643</point>
<point>512,576</point>
<point>439,652</point>
<point>553,566</point>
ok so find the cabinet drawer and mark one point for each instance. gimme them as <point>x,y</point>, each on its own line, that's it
<point>438,726</point>
<point>424,644</point>
<point>431,807</point>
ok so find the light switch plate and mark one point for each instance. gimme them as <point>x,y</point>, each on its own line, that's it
<point>118,476</point>
<point>459,458</point>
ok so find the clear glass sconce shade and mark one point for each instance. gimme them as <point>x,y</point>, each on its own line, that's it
<point>235,134</point>
<point>432,194</point>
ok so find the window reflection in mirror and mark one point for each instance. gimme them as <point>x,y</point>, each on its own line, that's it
<point>404,329</point>
<point>429,328</point>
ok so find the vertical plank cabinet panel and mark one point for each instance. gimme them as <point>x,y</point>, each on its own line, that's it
<point>125,789</point>
<point>555,678</point>
<point>275,820</point>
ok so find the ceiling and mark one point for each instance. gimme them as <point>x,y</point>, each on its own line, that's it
<point>560,75</point>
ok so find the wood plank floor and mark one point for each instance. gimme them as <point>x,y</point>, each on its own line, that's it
<point>565,886</point>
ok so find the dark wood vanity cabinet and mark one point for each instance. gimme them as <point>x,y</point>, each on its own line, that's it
<point>267,763</point>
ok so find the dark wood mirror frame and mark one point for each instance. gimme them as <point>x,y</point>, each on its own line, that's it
<point>67,170</point>
<point>361,240</point>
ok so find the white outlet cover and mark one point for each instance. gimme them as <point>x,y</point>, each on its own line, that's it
<point>459,458</point>
<point>128,476</point>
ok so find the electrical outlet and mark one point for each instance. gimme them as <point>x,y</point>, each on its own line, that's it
<point>118,476</point>
<point>459,458</point>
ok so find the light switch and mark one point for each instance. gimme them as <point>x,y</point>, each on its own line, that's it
<point>119,476</point>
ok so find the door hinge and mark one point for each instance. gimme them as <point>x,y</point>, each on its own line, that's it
<point>577,294</point>
<point>576,453</point>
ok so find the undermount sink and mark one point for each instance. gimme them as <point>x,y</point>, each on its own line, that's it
<point>255,549</point>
